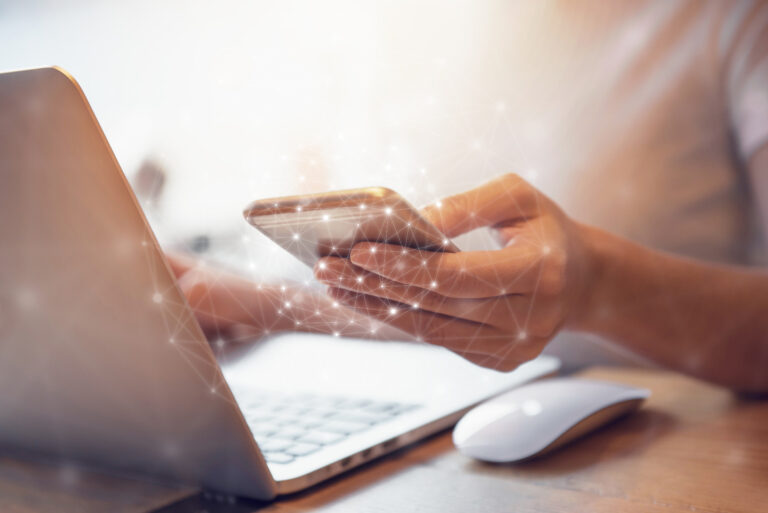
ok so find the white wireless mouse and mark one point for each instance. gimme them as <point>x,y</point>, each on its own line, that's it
<point>536,418</point>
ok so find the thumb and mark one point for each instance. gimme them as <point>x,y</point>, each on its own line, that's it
<point>505,198</point>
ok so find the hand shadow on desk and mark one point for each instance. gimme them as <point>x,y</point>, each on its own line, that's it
<point>623,437</point>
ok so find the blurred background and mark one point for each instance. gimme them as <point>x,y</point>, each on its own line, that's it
<point>239,100</point>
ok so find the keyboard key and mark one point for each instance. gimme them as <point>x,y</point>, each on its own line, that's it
<point>348,404</point>
<point>319,413</point>
<point>265,429</point>
<point>259,418</point>
<point>346,428</point>
<point>307,424</point>
<point>278,457</point>
<point>322,437</point>
<point>302,449</point>
<point>360,417</point>
<point>273,444</point>
<point>289,433</point>
<point>382,407</point>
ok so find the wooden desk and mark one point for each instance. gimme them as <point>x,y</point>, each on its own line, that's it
<point>693,447</point>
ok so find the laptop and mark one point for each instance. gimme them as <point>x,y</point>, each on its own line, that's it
<point>102,361</point>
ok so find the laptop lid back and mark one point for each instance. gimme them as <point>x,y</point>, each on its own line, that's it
<point>100,357</point>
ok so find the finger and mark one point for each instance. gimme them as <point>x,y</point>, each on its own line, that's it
<point>505,198</point>
<point>491,362</point>
<point>509,312</point>
<point>180,263</point>
<point>470,274</point>
<point>454,334</point>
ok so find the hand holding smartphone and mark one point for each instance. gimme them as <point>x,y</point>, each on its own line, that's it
<point>329,224</point>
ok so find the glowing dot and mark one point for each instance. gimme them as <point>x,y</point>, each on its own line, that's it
<point>322,265</point>
<point>298,323</point>
<point>393,311</point>
<point>381,286</point>
<point>445,242</point>
<point>317,312</point>
<point>213,390</point>
<point>362,206</point>
<point>144,243</point>
<point>336,333</point>
<point>522,335</point>
<point>546,250</point>
<point>157,297</point>
<point>359,279</point>
<point>335,304</point>
<point>433,285</point>
<point>373,249</point>
<point>403,251</point>
<point>171,340</point>
<point>287,304</point>
<point>295,236</point>
<point>282,288</point>
<point>358,225</point>
<point>438,204</point>
<point>298,209</point>
<point>326,217</point>
<point>388,210</point>
<point>423,262</point>
<point>409,223</point>
<point>415,306</point>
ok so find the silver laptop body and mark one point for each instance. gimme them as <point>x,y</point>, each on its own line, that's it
<point>101,360</point>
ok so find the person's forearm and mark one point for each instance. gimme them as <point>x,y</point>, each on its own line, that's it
<point>710,321</point>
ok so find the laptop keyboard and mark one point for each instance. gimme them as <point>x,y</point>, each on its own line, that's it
<point>288,427</point>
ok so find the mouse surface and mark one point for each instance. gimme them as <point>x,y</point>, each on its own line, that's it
<point>536,418</point>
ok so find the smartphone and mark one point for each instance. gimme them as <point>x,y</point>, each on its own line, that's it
<point>330,223</point>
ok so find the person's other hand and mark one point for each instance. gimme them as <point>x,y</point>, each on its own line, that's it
<point>225,304</point>
<point>497,308</point>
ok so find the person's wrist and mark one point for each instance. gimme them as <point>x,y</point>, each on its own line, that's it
<point>595,283</point>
